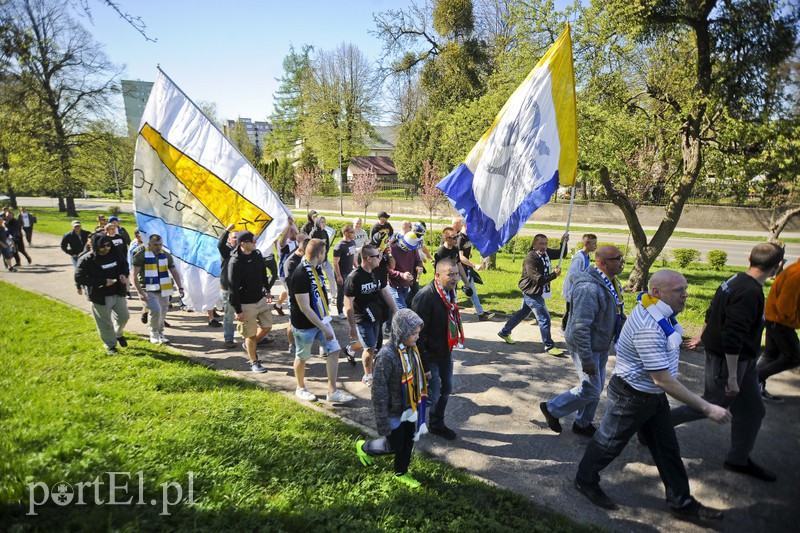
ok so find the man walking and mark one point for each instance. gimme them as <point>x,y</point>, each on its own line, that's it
<point>732,340</point>
<point>247,293</point>
<point>464,245</point>
<point>442,331</point>
<point>225,245</point>
<point>382,226</point>
<point>106,282</point>
<point>537,273</point>
<point>782,312</point>
<point>647,365</point>
<point>344,261</point>
<point>311,320</point>
<point>594,325</point>
<point>27,221</point>
<point>404,271</point>
<point>152,266</point>
<point>73,242</point>
<point>363,293</point>
<point>580,262</point>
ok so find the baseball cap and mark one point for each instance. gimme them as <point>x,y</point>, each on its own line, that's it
<point>76,223</point>
<point>244,236</point>
<point>383,214</point>
<point>113,219</point>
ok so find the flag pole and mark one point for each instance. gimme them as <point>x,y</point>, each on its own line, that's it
<point>566,231</point>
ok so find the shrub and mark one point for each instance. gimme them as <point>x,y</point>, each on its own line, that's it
<point>663,258</point>
<point>717,259</point>
<point>114,210</point>
<point>685,256</point>
<point>623,248</point>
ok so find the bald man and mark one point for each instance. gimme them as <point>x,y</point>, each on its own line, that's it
<point>595,323</point>
<point>647,365</point>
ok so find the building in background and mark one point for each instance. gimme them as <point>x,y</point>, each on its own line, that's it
<point>257,131</point>
<point>134,95</point>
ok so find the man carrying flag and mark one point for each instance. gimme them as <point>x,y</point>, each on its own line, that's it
<point>530,149</point>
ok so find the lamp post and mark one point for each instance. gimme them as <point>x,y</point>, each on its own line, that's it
<point>341,177</point>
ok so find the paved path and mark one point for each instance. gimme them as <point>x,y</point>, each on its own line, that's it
<point>501,435</point>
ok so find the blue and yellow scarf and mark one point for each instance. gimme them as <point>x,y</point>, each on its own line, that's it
<point>156,273</point>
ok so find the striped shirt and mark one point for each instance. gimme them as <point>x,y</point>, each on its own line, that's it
<point>641,349</point>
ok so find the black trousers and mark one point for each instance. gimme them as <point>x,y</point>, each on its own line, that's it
<point>782,351</point>
<point>272,268</point>
<point>399,442</point>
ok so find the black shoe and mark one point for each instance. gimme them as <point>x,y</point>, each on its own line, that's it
<point>166,324</point>
<point>767,396</point>
<point>443,431</point>
<point>485,316</point>
<point>751,469</point>
<point>230,345</point>
<point>696,511</point>
<point>588,431</point>
<point>144,317</point>
<point>122,342</point>
<point>552,421</point>
<point>213,323</point>
<point>596,495</point>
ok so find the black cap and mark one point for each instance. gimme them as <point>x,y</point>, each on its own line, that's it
<point>383,214</point>
<point>244,236</point>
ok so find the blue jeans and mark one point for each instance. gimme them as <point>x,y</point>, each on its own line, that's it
<point>440,386</point>
<point>585,397</point>
<point>227,316</point>
<point>627,413</point>
<point>539,307</point>
<point>399,296</point>
<point>476,302</point>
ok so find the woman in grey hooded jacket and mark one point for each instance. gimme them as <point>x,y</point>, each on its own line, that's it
<point>399,397</point>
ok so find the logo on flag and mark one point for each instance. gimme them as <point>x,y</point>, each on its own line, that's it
<point>189,183</point>
<point>519,162</point>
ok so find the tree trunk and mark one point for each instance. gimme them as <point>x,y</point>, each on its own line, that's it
<point>61,206</point>
<point>12,194</point>
<point>489,263</point>
<point>780,224</point>
<point>70,207</point>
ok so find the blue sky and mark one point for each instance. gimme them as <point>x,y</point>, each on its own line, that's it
<point>230,52</point>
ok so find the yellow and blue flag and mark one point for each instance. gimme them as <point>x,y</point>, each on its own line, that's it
<point>531,148</point>
<point>189,183</point>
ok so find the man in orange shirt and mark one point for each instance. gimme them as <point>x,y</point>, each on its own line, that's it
<point>782,312</point>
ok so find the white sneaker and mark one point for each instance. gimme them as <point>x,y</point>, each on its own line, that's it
<point>163,339</point>
<point>342,316</point>
<point>367,380</point>
<point>303,394</point>
<point>155,339</point>
<point>339,397</point>
<point>291,349</point>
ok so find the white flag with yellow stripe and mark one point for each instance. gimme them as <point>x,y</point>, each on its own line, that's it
<point>189,183</point>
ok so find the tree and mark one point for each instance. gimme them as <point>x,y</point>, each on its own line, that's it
<point>290,109</point>
<point>244,144</point>
<point>431,197</point>
<point>307,182</point>
<point>679,68</point>
<point>364,188</point>
<point>64,79</point>
<point>105,164</point>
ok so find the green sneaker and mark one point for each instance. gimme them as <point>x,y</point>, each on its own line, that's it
<point>406,479</point>
<point>506,338</point>
<point>556,351</point>
<point>365,459</point>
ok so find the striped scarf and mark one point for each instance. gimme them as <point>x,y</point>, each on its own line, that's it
<point>319,298</point>
<point>455,332</point>
<point>156,273</point>
<point>415,399</point>
<point>669,324</point>
<point>546,293</point>
<point>615,288</point>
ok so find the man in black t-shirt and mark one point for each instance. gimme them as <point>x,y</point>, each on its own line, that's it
<point>449,250</point>
<point>311,320</point>
<point>464,245</point>
<point>363,291</point>
<point>382,226</point>
<point>344,261</point>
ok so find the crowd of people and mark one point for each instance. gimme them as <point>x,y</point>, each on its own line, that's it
<point>406,334</point>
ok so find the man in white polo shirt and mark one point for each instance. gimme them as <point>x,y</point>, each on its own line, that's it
<point>647,363</point>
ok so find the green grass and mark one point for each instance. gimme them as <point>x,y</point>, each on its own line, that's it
<point>50,220</point>
<point>70,413</point>
<point>500,292</point>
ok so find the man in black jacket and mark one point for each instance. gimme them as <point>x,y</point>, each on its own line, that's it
<point>247,276</point>
<point>537,273</point>
<point>436,305</point>
<point>106,282</point>
<point>732,339</point>
<point>74,242</point>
